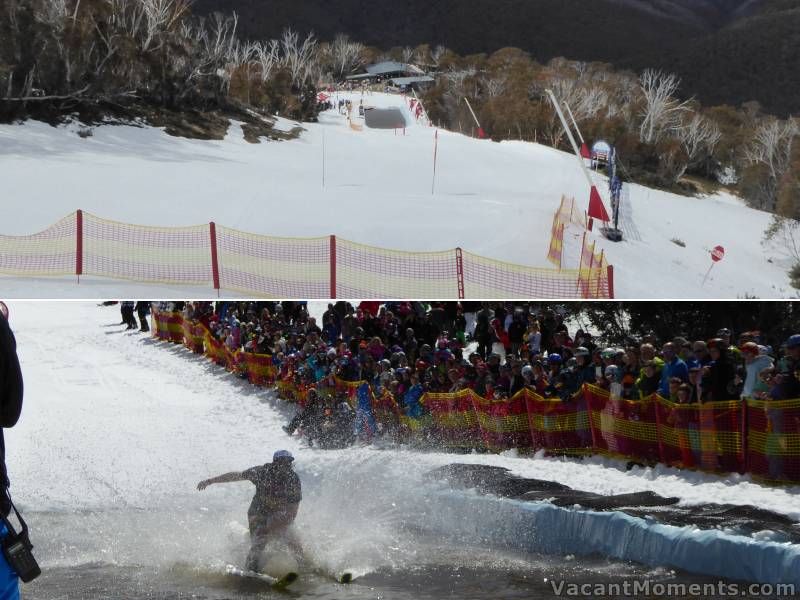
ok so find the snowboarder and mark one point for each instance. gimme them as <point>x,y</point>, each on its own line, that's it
<point>274,506</point>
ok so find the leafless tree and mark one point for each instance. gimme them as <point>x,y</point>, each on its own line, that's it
<point>699,136</point>
<point>662,112</point>
<point>772,145</point>
<point>58,17</point>
<point>299,58</point>
<point>160,18</point>
<point>436,56</point>
<point>771,148</point>
<point>267,57</point>
<point>346,55</point>
<point>495,86</point>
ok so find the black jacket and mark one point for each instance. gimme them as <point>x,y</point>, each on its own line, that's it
<point>10,400</point>
<point>716,383</point>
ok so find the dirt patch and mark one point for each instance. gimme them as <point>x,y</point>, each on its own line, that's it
<point>190,123</point>
<point>255,130</point>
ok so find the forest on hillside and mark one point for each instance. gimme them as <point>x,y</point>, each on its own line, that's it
<point>719,61</point>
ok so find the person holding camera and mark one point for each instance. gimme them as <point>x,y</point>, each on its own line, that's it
<point>16,561</point>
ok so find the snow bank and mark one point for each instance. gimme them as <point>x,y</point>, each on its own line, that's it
<point>542,527</point>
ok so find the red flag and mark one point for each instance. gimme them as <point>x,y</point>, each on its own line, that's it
<point>597,209</point>
<point>585,151</point>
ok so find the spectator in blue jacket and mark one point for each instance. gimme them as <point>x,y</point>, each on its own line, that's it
<point>673,367</point>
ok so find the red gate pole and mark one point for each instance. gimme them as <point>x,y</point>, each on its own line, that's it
<point>212,227</point>
<point>460,272</point>
<point>610,271</point>
<point>333,267</point>
<point>79,245</point>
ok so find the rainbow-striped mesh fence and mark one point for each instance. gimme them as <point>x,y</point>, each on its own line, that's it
<point>278,267</point>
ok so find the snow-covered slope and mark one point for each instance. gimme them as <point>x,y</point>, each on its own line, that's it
<point>492,199</point>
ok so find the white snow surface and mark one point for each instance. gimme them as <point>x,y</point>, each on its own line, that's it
<point>118,428</point>
<point>493,199</point>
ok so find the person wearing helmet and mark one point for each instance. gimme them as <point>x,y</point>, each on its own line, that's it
<point>274,506</point>
<point>611,381</point>
<point>585,370</point>
<point>553,375</point>
<point>569,379</point>
<point>554,363</point>
<point>607,354</point>
<point>527,375</point>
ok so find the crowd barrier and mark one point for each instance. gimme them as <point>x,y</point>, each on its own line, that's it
<point>277,267</point>
<point>595,275</point>
<point>757,437</point>
<point>556,253</point>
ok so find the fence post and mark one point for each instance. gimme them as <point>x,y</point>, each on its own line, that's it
<point>586,399</point>
<point>610,271</point>
<point>79,245</point>
<point>744,467</point>
<point>212,228</point>
<point>333,267</point>
<point>654,399</point>
<point>580,268</point>
<point>600,274</point>
<point>460,272</point>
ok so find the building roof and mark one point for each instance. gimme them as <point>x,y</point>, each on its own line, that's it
<point>410,80</point>
<point>387,68</point>
<point>383,68</point>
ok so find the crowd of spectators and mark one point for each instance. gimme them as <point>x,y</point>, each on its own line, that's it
<point>495,349</point>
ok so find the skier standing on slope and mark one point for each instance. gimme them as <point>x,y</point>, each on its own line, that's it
<point>274,506</point>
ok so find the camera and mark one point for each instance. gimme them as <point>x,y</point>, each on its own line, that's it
<point>17,550</point>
